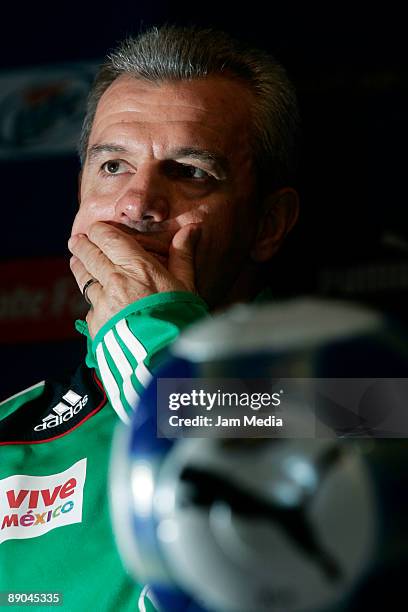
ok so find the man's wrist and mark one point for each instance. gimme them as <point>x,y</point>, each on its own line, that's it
<point>152,305</point>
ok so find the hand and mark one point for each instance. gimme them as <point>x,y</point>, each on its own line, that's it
<point>125,271</point>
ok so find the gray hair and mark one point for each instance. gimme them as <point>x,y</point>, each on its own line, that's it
<point>186,53</point>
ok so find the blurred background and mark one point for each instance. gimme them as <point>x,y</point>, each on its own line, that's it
<point>349,66</point>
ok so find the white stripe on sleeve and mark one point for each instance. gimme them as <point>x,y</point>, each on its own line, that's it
<point>137,349</point>
<point>124,368</point>
<point>143,374</point>
<point>110,385</point>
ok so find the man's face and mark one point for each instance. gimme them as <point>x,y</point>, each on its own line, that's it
<point>161,156</point>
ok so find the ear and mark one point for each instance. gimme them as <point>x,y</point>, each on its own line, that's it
<point>79,187</point>
<point>280,213</point>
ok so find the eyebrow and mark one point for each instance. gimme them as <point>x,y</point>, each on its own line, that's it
<point>97,150</point>
<point>216,160</point>
<point>204,155</point>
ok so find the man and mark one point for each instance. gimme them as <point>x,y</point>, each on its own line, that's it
<point>185,193</point>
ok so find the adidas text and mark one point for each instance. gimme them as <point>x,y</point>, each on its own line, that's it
<point>63,412</point>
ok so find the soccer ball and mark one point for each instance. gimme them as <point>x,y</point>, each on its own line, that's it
<point>244,524</point>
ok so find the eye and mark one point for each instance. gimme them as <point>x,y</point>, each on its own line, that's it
<point>186,172</point>
<point>114,166</point>
<point>193,172</point>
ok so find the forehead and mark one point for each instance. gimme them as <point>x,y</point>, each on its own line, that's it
<point>210,111</point>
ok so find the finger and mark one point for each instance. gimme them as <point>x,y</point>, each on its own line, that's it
<point>82,276</point>
<point>121,248</point>
<point>94,260</point>
<point>149,242</point>
<point>91,291</point>
<point>79,271</point>
<point>181,255</point>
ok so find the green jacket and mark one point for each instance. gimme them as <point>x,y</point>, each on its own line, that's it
<point>55,528</point>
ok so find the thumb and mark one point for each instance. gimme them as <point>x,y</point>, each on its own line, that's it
<point>181,255</point>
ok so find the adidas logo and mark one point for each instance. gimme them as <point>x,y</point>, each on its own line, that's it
<point>63,411</point>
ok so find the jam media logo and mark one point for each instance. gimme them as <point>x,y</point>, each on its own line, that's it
<point>63,412</point>
<point>41,111</point>
<point>33,505</point>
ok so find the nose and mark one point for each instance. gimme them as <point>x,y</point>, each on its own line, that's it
<point>144,198</point>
